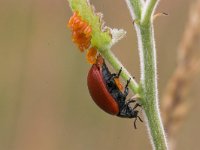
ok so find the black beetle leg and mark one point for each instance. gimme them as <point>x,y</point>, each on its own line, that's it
<point>120,71</point>
<point>128,81</point>
<point>131,101</point>
<point>127,104</point>
<point>126,87</point>
<point>136,105</point>
<point>114,75</point>
<point>140,118</point>
<point>135,120</point>
<point>124,107</point>
<point>135,123</point>
<point>137,117</point>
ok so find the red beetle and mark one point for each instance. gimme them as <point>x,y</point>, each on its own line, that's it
<point>106,93</point>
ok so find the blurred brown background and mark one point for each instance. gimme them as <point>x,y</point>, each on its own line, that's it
<point>44,101</point>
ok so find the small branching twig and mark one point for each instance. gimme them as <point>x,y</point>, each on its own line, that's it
<point>174,104</point>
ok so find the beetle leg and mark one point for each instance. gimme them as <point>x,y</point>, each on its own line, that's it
<point>137,105</point>
<point>134,99</point>
<point>126,87</point>
<point>114,75</point>
<point>120,71</point>
<point>128,81</point>
<point>135,119</point>
<point>127,104</point>
<point>140,118</point>
<point>125,107</point>
<point>135,123</point>
<point>131,101</point>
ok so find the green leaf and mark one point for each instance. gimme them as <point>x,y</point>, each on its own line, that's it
<point>101,38</point>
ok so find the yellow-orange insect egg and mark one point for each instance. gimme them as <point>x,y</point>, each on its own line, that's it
<point>81,31</point>
<point>91,55</point>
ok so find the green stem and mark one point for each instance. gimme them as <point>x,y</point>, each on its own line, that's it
<point>137,5</point>
<point>116,64</point>
<point>149,94</point>
<point>148,11</point>
<point>149,86</point>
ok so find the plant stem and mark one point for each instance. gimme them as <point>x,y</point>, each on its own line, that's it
<point>149,86</point>
<point>115,63</point>
<point>137,5</point>
<point>148,11</point>
<point>149,94</point>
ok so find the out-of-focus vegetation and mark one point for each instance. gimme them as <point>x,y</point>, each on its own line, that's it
<point>44,101</point>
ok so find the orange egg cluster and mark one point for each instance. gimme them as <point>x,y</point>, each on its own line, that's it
<point>91,55</point>
<point>81,31</point>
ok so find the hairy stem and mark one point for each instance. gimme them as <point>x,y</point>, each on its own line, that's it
<point>147,50</point>
<point>149,86</point>
<point>137,5</point>
<point>148,11</point>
